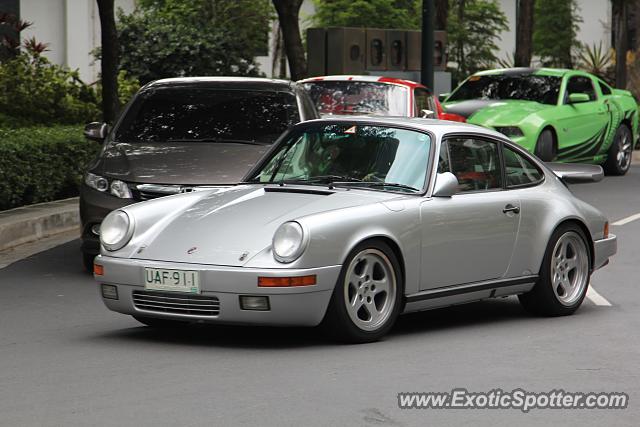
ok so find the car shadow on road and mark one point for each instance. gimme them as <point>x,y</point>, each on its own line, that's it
<point>483,313</point>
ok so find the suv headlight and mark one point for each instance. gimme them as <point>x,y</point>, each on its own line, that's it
<point>289,242</point>
<point>116,230</point>
<point>116,187</point>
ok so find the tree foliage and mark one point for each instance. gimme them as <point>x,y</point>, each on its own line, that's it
<point>170,38</point>
<point>35,91</point>
<point>401,14</point>
<point>555,32</point>
<point>474,26</point>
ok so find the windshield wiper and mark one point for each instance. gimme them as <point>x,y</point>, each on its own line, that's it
<point>378,184</point>
<point>223,140</point>
<point>319,179</point>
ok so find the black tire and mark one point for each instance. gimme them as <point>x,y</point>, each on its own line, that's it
<point>160,323</point>
<point>87,262</point>
<point>337,322</point>
<point>546,148</point>
<point>542,299</point>
<point>620,152</point>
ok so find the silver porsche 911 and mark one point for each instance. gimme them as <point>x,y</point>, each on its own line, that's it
<point>349,223</point>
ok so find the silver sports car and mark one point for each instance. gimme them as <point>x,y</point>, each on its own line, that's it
<point>349,223</point>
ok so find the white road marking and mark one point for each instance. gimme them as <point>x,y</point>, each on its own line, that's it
<point>596,298</point>
<point>626,220</point>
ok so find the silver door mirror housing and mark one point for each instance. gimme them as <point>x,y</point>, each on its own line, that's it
<point>96,131</point>
<point>446,185</point>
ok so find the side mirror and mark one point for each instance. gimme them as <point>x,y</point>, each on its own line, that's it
<point>446,185</point>
<point>577,98</point>
<point>96,131</point>
<point>427,114</point>
<point>443,96</point>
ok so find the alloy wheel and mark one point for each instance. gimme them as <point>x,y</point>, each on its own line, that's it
<point>569,268</point>
<point>370,289</point>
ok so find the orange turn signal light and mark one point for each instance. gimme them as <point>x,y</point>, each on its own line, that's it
<point>285,282</point>
<point>606,230</point>
<point>98,269</point>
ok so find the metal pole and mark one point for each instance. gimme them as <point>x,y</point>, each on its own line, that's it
<point>428,26</point>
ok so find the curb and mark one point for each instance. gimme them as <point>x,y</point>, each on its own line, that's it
<point>30,223</point>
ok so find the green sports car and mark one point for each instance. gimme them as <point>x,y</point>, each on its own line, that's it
<point>559,115</point>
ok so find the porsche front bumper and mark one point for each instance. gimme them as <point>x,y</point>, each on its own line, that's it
<point>288,306</point>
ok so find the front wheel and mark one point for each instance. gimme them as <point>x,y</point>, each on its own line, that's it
<point>564,275</point>
<point>619,155</point>
<point>368,294</point>
<point>546,149</point>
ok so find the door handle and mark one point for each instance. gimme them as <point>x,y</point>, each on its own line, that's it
<point>511,208</point>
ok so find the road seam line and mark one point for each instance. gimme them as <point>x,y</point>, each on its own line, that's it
<point>627,220</point>
<point>596,298</point>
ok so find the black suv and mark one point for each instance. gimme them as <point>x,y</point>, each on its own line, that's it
<point>180,135</point>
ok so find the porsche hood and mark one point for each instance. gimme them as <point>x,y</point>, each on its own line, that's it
<point>231,227</point>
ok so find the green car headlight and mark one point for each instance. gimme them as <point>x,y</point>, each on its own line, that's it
<point>510,131</point>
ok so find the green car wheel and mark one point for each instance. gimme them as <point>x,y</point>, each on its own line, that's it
<point>546,148</point>
<point>620,153</point>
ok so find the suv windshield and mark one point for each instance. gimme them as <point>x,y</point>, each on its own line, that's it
<point>352,97</point>
<point>543,89</point>
<point>376,157</point>
<point>197,114</point>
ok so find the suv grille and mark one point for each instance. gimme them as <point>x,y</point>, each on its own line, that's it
<point>176,303</point>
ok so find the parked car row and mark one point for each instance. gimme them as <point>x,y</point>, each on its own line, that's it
<point>188,134</point>
<point>299,213</point>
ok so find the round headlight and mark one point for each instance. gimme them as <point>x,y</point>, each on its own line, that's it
<point>116,230</point>
<point>288,242</point>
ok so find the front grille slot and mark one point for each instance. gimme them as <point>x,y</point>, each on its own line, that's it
<point>176,303</point>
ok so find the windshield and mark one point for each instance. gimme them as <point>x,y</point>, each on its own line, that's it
<point>190,114</point>
<point>351,97</point>
<point>375,157</point>
<point>543,89</point>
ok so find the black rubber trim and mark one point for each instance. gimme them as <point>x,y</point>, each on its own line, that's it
<point>285,189</point>
<point>470,287</point>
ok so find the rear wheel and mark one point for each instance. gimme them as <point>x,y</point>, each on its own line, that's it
<point>619,155</point>
<point>546,149</point>
<point>367,297</point>
<point>564,276</point>
<point>160,323</point>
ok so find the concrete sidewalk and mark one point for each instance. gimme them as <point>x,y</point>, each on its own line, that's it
<point>34,222</point>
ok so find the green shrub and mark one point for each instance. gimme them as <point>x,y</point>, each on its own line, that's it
<point>33,91</point>
<point>41,164</point>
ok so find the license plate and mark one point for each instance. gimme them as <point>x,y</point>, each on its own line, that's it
<point>159,279</point>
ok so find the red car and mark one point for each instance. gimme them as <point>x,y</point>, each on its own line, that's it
<point>372,95</point>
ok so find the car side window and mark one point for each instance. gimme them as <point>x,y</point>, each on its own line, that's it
<point>423,101</point>
<point>475,162</point>
<point>519,171</point>
<point>580,84</point>
<point>604,88</point>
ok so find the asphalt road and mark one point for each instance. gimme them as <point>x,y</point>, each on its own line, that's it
<point>66,360</point>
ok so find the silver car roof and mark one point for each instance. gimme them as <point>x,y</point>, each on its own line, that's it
<point>436,127</point>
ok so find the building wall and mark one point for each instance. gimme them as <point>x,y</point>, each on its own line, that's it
<point>72,30</point>
<point>595,28</point>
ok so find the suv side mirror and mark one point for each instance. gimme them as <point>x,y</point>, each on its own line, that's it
<point>576,98</point>
<point>446,185</point>
<point>96,131</point>
<point>443,96</point>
